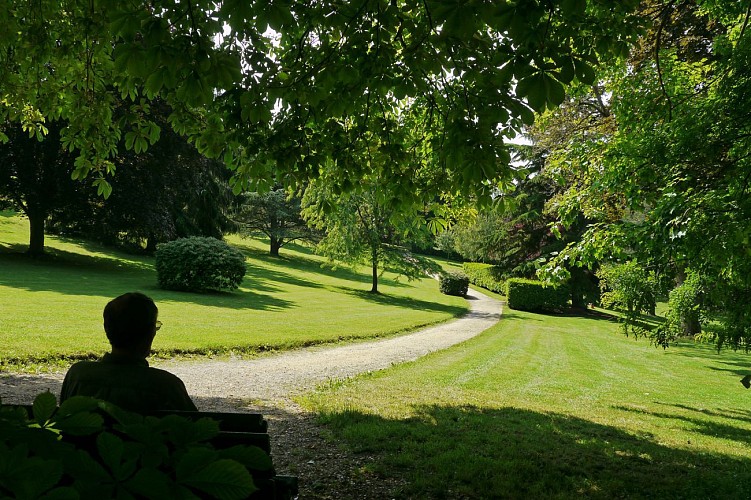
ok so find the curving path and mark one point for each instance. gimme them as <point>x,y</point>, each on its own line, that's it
<point>272,378</point>
<point>222,384</point>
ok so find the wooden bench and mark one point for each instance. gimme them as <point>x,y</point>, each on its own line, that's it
<point>247,429</point>
<point>237,429</point>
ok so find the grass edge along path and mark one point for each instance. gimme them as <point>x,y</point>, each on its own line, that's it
<point>551,407</point>
<point>51,312</point>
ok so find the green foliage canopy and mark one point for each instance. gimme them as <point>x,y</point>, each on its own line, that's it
<point>667,181</point>
<point>276,87</point>
<point>169,191</point>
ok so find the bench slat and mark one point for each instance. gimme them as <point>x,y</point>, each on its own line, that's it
<point>233,422</point>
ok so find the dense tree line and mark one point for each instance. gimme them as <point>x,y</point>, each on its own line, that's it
<point>649,170</point>
<point>167,192</point>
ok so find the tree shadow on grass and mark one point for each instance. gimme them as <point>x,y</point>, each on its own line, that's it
<point>70,273</point>
<point>699,424</point>
<point>735,362</point>
<point>401,301</point>
<point>264,278</point>
<point>74,274</point>
<point>469,452</point>
<point>735,414</point>
<point>739,368</point>
<point>53,257</point>
<point>308,263</point>
<point>239,299</point>
<point>592,314</point>
<point>509,315</point>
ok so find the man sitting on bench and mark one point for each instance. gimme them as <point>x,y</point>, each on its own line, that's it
<point>123,376</point>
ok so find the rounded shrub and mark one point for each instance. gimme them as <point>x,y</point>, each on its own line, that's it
<point>454,283</point>
<point>198,264</point>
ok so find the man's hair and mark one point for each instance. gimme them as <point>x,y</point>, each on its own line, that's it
<point>129,319</point>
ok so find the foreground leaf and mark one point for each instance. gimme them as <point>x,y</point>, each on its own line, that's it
<point>223,479</point>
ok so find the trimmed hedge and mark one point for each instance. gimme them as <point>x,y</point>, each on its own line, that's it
<point>454,283</point>
<point>486,276</point>
<point>198,264</point>
<point>530,295</point>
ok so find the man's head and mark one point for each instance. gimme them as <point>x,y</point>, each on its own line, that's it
<point>130,323</point>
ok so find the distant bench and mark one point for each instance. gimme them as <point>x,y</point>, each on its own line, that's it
<point>249,429</point>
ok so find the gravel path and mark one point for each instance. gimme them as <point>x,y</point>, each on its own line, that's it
<point>273,378</point>
<point>222,384</point>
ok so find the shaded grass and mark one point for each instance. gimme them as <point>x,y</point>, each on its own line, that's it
<point>552,407</point>
<point>51,307</point>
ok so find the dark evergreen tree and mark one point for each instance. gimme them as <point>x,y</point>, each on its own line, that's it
<point>35,178</point>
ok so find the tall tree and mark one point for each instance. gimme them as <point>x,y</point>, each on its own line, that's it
<point>274,214</point>
<point>165,192</point>
<point>677,165</point>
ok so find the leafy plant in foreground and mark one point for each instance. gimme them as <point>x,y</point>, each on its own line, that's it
<point>88,448</point>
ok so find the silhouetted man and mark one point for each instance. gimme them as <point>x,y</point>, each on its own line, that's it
<point>123,376</point>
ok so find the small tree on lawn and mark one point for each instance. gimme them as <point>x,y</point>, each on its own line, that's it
<point>274,214</point>
<point>362,228</point>
<point>628,287</point>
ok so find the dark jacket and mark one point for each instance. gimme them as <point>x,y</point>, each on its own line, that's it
<point>127,382</point>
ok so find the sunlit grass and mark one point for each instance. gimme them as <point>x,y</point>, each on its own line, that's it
<point>553,407</point>
<point>51,307</point>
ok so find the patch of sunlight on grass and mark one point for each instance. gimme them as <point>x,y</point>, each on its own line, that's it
<point>52,306</point>
<point>546,406</point>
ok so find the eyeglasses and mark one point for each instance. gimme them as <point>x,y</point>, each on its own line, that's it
<point>158,325</point>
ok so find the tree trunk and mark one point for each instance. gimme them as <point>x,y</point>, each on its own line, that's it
<point>36,233</point>
<point>577,299</point>
<point>691,325</point>
<point>151,244</point>
<point>374,262</point>
<point>274,246</point>
<point>689,322</point>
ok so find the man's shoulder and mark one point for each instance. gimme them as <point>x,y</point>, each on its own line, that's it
<point>163,374</point>
<point>85,363</point>
<point>84,366</point>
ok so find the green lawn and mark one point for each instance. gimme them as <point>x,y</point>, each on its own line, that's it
<point>51,308</point>
<point>552,407</point>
